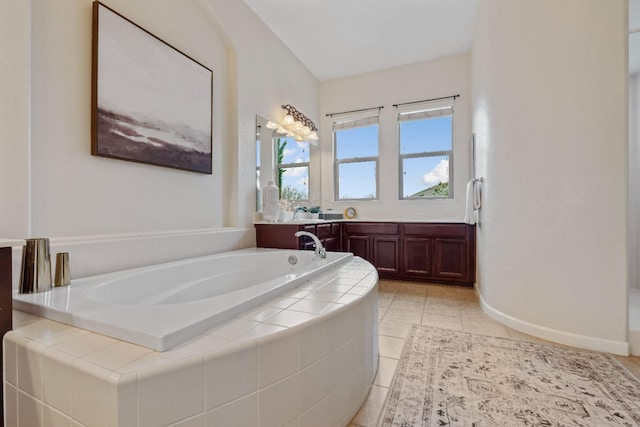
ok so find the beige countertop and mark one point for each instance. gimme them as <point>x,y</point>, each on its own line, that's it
<point>322,221</point>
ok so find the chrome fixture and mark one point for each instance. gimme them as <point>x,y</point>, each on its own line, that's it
<point>320,251</point>
<point>35,274</point>
<point>295,125</point>
<point>62,277</point>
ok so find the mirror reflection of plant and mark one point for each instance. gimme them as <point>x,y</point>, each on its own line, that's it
<point>292,193</point>
<point>280,144</point>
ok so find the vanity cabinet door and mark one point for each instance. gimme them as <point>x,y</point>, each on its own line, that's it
<point>331,244</point>
<point>386,254</point>
<point>359,246</point>
<point>417,256</point>
<point>323,231</point>
<point>306,242</point>
<point>451,259</point>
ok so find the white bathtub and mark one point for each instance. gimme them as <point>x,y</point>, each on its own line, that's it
<point>163,305</point>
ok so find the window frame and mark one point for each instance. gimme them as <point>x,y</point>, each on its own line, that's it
<point>352,160</point>
<point>424,154</point>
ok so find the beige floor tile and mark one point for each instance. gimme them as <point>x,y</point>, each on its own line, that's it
<point>407,305</point>
<point>632,363</point>
<point>413,289</point>
<point>386,296</point>
<point>449,322</point>
<point>442,306</point>
<point>388,286</point>
<point>517,335</point>
<point>368,414</point>
<point>403,316</point>
<point>470,296</point>
<point>390,346</point>
<point>394,329</point>
<point>386,369</point>
<point>442,291</point>
<point>488,327</point>
<point>384,302</point>
<point>409,297</point>
<point>472,310</point>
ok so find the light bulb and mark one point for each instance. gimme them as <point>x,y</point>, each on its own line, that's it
<point>271,125</point>
<point>288,120</point>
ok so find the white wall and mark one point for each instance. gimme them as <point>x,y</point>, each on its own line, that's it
<point>14,117</point>
<point>74,193</point>
<point>549,113</point>
<point>634,181</point>
<point>431,79</point>
<point>266,76</point>
<point>116,214</point>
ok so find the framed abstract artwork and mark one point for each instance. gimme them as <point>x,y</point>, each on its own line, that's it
<point>151,103</point>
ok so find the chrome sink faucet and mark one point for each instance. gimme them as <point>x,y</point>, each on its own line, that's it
<point>320,251</point>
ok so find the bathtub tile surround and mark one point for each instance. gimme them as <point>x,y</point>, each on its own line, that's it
<point>282,367</point>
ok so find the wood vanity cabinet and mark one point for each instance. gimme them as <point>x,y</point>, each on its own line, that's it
<point>282,236</point>
<point>377,242</point>
<point>425,252</point>
<point>439,252</point>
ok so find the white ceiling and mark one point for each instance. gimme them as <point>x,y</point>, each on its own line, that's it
<point>338,38</point>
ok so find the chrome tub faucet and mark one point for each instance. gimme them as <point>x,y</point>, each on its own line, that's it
<point>320,251</point>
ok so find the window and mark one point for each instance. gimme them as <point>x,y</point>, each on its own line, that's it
<point>292,166</point>
<point>356,158</point>
<point>426,150</point>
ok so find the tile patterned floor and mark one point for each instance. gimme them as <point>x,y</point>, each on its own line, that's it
<point>403,303</point>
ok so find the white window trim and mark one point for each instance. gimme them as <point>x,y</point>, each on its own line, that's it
<point>362,119</point>
<point>425,111</point>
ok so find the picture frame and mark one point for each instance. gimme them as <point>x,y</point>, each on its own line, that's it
<point>151,103</point>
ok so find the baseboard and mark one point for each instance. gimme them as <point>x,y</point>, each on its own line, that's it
<point>574,340</point>
<point>634,342</point>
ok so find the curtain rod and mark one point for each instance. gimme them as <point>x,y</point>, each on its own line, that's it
<point>426,100</point>
<point>356,111</point>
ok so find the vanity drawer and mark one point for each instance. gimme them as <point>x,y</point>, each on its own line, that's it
<point>372,228</point>
<point>323,231</point>
<point>435,230</point>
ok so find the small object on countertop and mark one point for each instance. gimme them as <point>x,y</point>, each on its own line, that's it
<point>270,202</point>
<point>350,213</point>
<point>35,275</point>
<point>63,277</point>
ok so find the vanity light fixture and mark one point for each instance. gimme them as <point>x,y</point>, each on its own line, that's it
<point>295,125</point>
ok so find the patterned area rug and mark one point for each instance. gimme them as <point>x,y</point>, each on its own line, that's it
<point>453,378</point>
